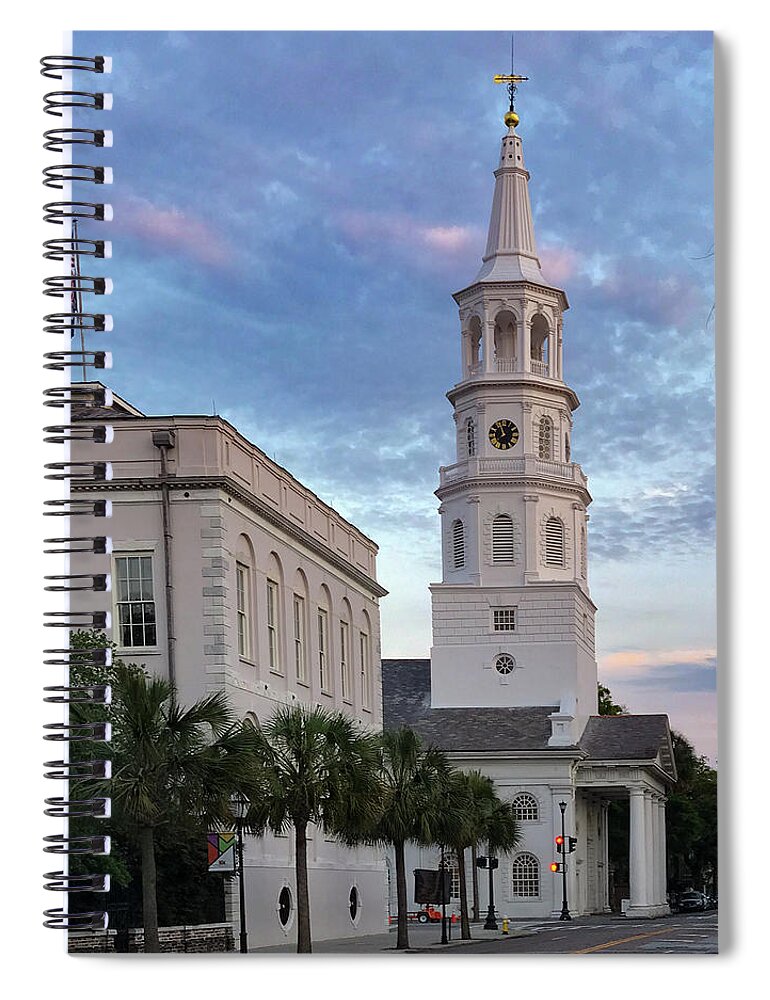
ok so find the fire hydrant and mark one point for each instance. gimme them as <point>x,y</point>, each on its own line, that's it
<point>505,925</point>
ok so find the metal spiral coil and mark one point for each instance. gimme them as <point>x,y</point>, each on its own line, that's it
<point>78,401</point>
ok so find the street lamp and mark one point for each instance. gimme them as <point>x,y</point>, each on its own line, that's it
<point>562,847</point>
<point>240,806</point>
<point>442,881</point>
<point>490,924</point>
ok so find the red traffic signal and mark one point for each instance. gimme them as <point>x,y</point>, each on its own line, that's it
<point>559,841</point>
<point>556,867</point>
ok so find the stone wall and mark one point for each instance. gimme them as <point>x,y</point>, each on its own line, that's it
<point>195,938</point>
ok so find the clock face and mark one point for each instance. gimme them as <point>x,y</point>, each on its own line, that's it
<point>503,434</point>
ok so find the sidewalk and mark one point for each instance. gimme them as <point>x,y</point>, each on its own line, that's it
<point>422,938</point>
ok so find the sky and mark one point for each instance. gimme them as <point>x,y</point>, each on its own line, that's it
<point>292,214</point>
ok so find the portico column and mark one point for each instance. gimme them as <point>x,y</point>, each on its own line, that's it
<point>655,866</point>
<point>649,848</point>
<point>636,851</point>
<point>662,840</point>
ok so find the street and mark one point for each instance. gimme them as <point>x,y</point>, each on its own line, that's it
<point>678,934</point>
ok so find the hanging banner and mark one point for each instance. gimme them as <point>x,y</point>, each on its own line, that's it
<point>221,848</point>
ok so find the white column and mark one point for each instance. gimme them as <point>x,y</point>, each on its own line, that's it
<point>526,340</point>
<point>552,360</point>
<point>488,336</point>
<point>655,865</point>
<point>636,859</point>
<point>531,562</point>
<point>559,351</point>
<point>662,847</point>
<point>606,856</point>
<point>649,848</point>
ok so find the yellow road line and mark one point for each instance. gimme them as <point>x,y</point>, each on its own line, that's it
<point>611,944</point>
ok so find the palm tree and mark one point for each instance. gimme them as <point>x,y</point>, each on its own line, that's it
<point>501,829</point>
<point>474,798</point>
<point>413,783</point>
<point>169,761</point>
<point>313,766</point>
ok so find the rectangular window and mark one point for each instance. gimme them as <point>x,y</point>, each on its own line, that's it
<point>504,619</point>
<point>273,635</point>
<point>363,642</point>
<point>242,592</point>
<point>345,660</point>
<point>299,638</point>
<point>135,601</point>
<point>323,648</point>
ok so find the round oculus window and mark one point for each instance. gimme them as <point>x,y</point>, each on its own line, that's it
<point>504,664</point>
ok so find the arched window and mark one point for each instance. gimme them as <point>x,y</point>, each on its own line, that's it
<point>458,544</point>
<point>554,542</point>
<point>566,448</point>
<point>502,539</point>
<point>452,865</point>
<point>545,438</point>
<point>470,436</point>
<point>526,808</point>
<point>525,875</point>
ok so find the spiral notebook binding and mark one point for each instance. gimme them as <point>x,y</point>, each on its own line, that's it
<point>78,401</point>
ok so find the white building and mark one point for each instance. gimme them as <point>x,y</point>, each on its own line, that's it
<point>229,574</point>
<point>511,684</point>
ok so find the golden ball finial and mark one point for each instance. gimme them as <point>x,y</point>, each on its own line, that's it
<point>511,118</point>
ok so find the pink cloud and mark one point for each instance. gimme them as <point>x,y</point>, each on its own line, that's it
<point>642,660</point>
<point>172,229</point>
<point>560,264</point>
<point>372,229</point>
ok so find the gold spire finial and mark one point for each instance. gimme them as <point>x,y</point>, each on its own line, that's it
<point>510,117</point>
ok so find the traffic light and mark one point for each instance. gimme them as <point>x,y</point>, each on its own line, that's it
<point>559,841</point>
<point>556,867</point>
<point>571,844</point>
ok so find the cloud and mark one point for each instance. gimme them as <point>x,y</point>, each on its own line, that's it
<point>401,232</point>
<point>172,228</point>
<point>661,670</point>
<point>674,517</point>
<point>559,263</point>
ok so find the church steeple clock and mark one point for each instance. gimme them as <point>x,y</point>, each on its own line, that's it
<point>513,622</point>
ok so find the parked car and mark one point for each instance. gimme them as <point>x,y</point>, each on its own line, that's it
<point>692,900</point>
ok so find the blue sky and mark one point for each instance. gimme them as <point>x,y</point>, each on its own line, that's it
<point>292,214</point>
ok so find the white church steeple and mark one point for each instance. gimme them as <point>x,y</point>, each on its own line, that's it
<point>512,617</point>
<point>511,254</point>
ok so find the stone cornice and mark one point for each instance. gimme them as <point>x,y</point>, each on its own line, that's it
<point>526,286</point>
<point>528,482</point>
<point>520,379</point>
<point>231,488</point>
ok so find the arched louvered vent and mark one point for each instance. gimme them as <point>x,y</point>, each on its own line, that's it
<point>502,539</point>
<point>554,542</point>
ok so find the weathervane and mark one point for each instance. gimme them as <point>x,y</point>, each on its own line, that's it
<point>510,118</point>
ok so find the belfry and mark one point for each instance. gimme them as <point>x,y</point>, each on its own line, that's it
<point>511,684</point>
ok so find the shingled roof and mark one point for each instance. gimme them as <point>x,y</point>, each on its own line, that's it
<point>629,737</point>
<point>406,702</point>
